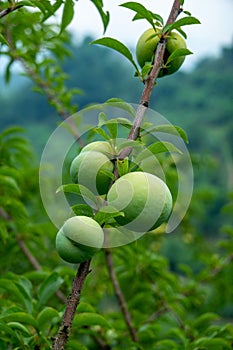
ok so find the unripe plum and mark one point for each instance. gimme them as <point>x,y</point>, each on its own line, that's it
<point>144,199</point>
<point>147,44</point>
<point>79,239</point>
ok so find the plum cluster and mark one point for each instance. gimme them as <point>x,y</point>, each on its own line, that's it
<point>143,198</point>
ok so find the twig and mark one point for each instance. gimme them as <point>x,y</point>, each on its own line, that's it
<point>120,296</point>
<point>9,10</point>
<point>72,303</point>
<point>150,81</point>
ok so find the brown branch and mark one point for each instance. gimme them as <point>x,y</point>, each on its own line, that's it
<point>150,81</point>
<point>33,261</point>
<point>64,331</point>
<point>120,296</point>
<point>9,10</point>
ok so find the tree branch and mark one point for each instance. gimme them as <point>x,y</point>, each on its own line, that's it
<point>72,303</point>
<point>120,296</point>
<point>11,9</point>
<point>150,81</point>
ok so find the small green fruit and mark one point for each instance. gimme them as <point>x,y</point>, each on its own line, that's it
<point>79,239</point>
<point>88,169</point>
<point>144,199</point>
<point>99,146</point>
<point>146,46</point>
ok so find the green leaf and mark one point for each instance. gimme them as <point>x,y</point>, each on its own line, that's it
<point>48,288</point>
<point>178,53</point>
<point>81,190</point>
<point>123,166</point>
<point>19,327</point>
<point>21,317</point>
<point>156,16</point>
<point>11,130</point>
<point>106,213</point>
<point>7,331</point>
<point>82,209</point>
<point>67,14</point>
<point>112,126</point>
<point>85,307</point>
<point>25,288</point>
<point>156,148</point>
<point>166,344</point>
<point>128,143</point>
<point>122,105</point>
<point>101,132</point>
<point>180,23</point>
<point>9,185</point>
<point>213,342</point>
<point>104,15</point>
<point>47,317</point>
<point>102,119</point>
<point>168,129</point>
<point>117,46</point>
<point>204,320</point>
<point>161,147</point>
<point>90,319</point>
<point>108,174</point>
<point>142,11</point>
<point>3,40</point>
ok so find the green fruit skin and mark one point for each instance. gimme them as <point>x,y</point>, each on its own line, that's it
<point>79,239</point>
<point>144,199</point>
<point>99,146</point>
<point>145,50</point>
<point>86,169</point>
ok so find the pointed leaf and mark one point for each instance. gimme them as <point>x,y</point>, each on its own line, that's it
<point>67,15</point>
<point>47,316</point>
<point>104,15</point>
<point>90,319</point>
<point>21,317</point>
<point>48,288</point>
<point>3,40</point>
<point>101,132</point>
<point>141,10</point>
<point>169,129</point>
<point>19,327</point>
<point>178,53</point>
<point>81,190</point>
<point>122,105</point>
<point>106,213</point>
<point>181,22</point>
<point>82,209</point>
<point>117,46</point>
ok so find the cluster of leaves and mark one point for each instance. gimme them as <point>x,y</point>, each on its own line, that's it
<point>38,44</point>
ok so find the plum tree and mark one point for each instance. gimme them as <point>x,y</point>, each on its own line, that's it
<point>144,199</point>
<point>79,239</point>
<point>146,46</point>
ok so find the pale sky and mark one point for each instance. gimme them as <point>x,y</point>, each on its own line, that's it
<point>205,39</point>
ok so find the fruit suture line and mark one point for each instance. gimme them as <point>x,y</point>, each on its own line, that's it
<point>69,240</point>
